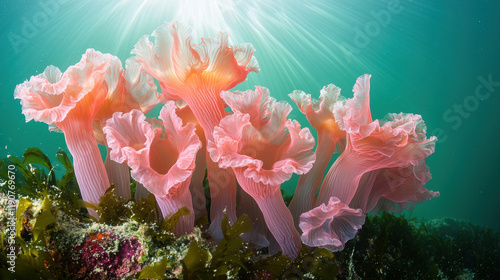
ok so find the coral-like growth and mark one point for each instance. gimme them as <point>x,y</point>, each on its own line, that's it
<point>102,255</point>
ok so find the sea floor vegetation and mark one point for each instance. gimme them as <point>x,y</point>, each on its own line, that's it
<point>51,236</point>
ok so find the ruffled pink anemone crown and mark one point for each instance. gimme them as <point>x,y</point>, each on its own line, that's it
<point>53,97</point>
<point>319,112</point>
<point>161,159</point>
<point>196,73</point>
<point>255,137</point>
<point>393,189</point>
<point>264,149</point>
<point>398,142</point>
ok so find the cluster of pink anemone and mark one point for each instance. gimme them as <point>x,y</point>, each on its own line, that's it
<point>243,140</point>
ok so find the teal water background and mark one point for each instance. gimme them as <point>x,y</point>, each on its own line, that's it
<point>440,59</point>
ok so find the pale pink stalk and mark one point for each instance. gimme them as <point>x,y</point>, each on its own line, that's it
<point>196,186</point>
<point>257,237</point>
<point>87,163</point>
<point>119,176</point>
<point>278,219</point>
<point>140,192</point>
<point>162,159</point>
<point>197,73</point>
<point>70,101</point>
<point>264,150</point>
<point>320,116</point>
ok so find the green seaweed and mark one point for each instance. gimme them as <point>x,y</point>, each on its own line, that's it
<point>144,210</point>
<point>231,253</point>
<point>195,263</point>
<point>43,220</point>
<point>286,198</point>
<point>387,245</point>
<point>470,247</point>
<point>113,209</point>
<point>271,267</point>
<point>155,271</point>
<point>22,205</point>
<point>35,177</point>
<point>34,256</point>
<point>28,173</point>
<point>170,221</point>
<point>226,260</point>
<point>313,263</point>
<point>68,184</point>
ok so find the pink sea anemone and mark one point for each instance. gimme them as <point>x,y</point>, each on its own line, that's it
<point>161,159</point>
<point>197,73</point>
<point>264,150</point>
<point>319,113</point>
<point>398,142</point>
<point>70,101</point>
